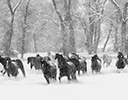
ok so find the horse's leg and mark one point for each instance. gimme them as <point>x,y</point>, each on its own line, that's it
<point>31,66</point>
<point>74,76</point>
<point>60,79</point>
<point>68,76</point>
<point>8,74</point>
<point>79,72</point>
<point>20,65</point>
<point>3,73</point>
<point>47,79</point>
<point>92,71</point>
<point>54,75</point>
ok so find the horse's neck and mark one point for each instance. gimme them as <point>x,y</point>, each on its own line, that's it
<point>46,66</point>
<point>3,62</point>
<point>62,62</point>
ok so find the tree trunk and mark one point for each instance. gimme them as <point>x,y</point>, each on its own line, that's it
<point>123,37</point>
<point>106,42</point>
<point>91,31</point>
<point>34,38</point>
<point>69,25</point>
<point>10,32</point>
<point>124,22</point>
<point>98,35</point>
<point>9,35</point>
<point>24,30</point>
<point>68,43</point>
<point>110,30</point>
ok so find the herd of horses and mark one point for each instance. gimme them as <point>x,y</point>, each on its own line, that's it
<point>67,65</point>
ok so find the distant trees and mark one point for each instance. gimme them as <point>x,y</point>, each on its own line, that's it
<point>63,25</point>
<point>91,17</point>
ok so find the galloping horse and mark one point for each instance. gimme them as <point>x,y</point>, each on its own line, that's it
<point>11,66</point>
<point>82,65</point>
<point>66,68</point>
<point>49,70</point>
<point>120,64</point>
<point>96,64</point>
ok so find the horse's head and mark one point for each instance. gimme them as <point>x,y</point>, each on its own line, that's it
<point>58,56</point>
<point>46,58</point>
<point>43,62</point>
<point>120,55</point>
<point>74,55</point>
<point>94,58</point>
<point>2,59</point>
<point>28,60</point>
<point>8,62</point>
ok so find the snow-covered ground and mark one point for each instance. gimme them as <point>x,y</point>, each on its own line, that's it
<point>108,85</point>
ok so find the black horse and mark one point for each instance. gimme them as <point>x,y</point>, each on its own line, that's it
<point>34,62</point>
<point>121,63</point>
<point>49,71</point>
<point>31,61</point>
<point>96,64</point>
<point>66,68</point>
<point>81,64</point>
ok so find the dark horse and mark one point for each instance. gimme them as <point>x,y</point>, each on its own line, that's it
<point>49,70</point>
<point>96,64</point>
<point>11,66</point>
<point>66,68</point>
<point>36,61</point>
<point>81,64</point>
<point>121,63</point>
<point>3,61</point>
<point>31,61</point>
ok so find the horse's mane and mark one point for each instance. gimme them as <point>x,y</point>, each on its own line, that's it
<point>3,61</point>
<point>46,66</point>
<point>61,60</point>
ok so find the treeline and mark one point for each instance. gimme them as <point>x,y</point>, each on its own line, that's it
<point>63,25</point>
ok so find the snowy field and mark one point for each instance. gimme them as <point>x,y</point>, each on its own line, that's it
<point>108,85</point>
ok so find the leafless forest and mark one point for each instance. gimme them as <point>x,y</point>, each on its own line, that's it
<point>63,26</point>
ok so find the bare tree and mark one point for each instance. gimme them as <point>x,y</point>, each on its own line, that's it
<point>9,33</point>
<point>123,19</point>
<point>24,28</point>
<point>68,40</point>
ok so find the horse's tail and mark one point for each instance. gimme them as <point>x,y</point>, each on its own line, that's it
<point>20,65</point>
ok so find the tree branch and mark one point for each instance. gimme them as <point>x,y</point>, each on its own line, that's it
<point>17,5</point>
<point>59,15</point>
<point>10,7</point>
<point>118,8</point>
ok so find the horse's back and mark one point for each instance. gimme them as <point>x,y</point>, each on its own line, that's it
<point>71,66</point>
